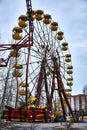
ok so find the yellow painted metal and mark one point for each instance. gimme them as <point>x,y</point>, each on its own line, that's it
<point>18,66</point>
<point>64,48</point>
<point>17,36</point>
<point>46,21</point>
<point>69,79</point>
<point>65,105</point>
<point>52,116</point>
<point>23,84</point>
<point>68,55</point>
<point>68,95</point>
<point>67,60</point>
<point>22,24</point>
<point>53,28</point>
<point>70,67</point>
<point>40,12</point>
<point>59,106</point>
<point>22,93</point>
<point>32,99</point>
<point>14,54</point>
<point>69,84</point>
<point>60,33</point>
<point>68,90</point>
<point>64,44</point>
<point>17,29</point>
<point>59,37</point>
<point>40,115</point>
<point>69,72</point>
<point>43,107</point>
<point>39,17</point>
<point>47,16</point>
<point>17,74</point>
<point>23,18</point>
<point>54,24</point>
<point>59,112</point>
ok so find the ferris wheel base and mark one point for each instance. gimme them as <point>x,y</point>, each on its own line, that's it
<point>31,115</point>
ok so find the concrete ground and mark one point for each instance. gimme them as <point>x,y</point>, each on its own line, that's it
<point>48,126</point>
<point>44,126</point>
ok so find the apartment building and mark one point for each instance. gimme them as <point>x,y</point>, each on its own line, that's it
<point>78,102</point>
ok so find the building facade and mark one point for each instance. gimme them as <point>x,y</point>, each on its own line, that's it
<point>79,102</point>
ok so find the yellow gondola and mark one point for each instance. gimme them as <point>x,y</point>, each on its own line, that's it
<point>22,24</point>
<point>59,112</point>
<point>69,84</point>
<point>54,26</point>
<point>22,92</point>
<point>68,95</point>
<point>18,66</point>
<point>68,90</point>
<point>69,79</point>
<point>64,44</point>
<point>17,29</point>
<point>17,74</point>
<point>59,106</point>
<point>47,19</point>
<point>32,99</point>
<point>14,54</point>
<point>59,37</point>
<point>39,12</point>
<point>69,72</point>
<point>60,33</point>
<point>17,36</point>
<point>68,55</point>
<point>23,84</point>
<point>64,48</point>
<point>43,107</point>
<point>39,17</point>
<point>70,67</point>
<point>23,18</point>
<point>67,60</point>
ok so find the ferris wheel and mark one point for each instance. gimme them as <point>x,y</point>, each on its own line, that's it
<point>39,62</point>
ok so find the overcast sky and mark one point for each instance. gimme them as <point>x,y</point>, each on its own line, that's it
<point>71,16</point>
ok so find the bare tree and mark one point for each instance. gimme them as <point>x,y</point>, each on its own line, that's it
<point>85,93</point>
<point>85,89</point>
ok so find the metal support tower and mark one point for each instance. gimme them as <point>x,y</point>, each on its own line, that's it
<point>30,19</point>
<point>30,41</point>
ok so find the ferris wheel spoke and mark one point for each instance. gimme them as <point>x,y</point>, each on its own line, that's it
<point>45,35</point>
<point>38,34</point>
